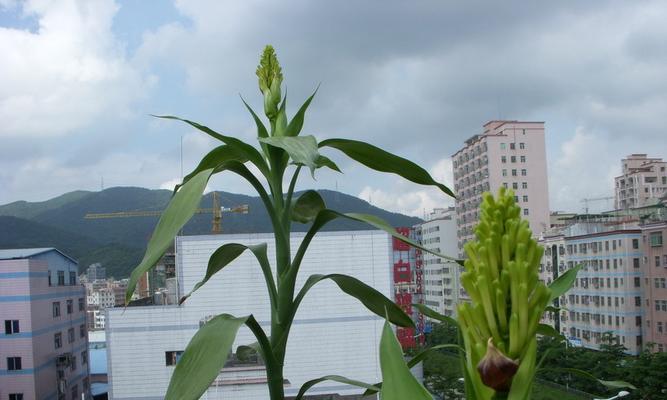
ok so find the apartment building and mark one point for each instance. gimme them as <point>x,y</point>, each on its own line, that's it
<point>96,272</point>
<point>654,258</point>
<point>44,346</point>
<point>510,154</point>
<point>607,294</point>
<point>643,182</point>
<point>441,277</point>
<point>144,343</point>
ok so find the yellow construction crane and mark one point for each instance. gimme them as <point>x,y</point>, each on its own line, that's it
<point>216,210</point>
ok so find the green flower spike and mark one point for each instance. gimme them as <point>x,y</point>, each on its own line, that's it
<point>499,326</point>
<point>270,78</point>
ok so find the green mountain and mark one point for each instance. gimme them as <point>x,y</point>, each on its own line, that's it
<point>118,243</point>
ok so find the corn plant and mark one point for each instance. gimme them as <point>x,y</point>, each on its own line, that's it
<point>281,150</point>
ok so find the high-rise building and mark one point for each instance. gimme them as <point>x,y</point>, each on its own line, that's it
<point>144,343</point>
<point>510,154</point>
<point>441,276</point>
<point>44,345</point>
<point>642,183</point>
<point>96,272</point>
<point>654,245</point>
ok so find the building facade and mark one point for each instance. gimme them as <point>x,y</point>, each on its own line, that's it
<point>510,154</point>
<point>43,348</point>
<point>643,182</point>
<point>96,272</point>
<point>441,276</point>
<point>408,282</point>
<point>144,343</point>
<point>608,291</point>
<point>654,258</point>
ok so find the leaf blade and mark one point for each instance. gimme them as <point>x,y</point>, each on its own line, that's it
<point>335,378</point>
<point>307,206</point>
<point>302,150</point>
<point>180,209</point>
<point>295,125</point>
<point>199,365</point>
<point>383,161</point>
<point>563,283</point>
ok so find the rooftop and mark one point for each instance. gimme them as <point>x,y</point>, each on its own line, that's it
<point>19,254</point>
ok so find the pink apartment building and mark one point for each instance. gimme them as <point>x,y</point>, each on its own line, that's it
<point>44,345</point>
<point>655,262</point>
<point>510,154</point>
<point>643,182</point>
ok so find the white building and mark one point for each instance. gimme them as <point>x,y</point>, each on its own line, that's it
<point>441,277</point>
<point>102,298</point>
<point>332,333</point>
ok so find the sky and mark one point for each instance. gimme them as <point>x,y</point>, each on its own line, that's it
<point>79,80</point>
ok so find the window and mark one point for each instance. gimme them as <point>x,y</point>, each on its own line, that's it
<point>525,211</point>
<point>49,275</point>
<point>11,326</point>
<point>172,357</point>
<point>72,278</point>
<point>61,278</point>
<point>522,146</point>
<point>16,396</point>
<point>512,146</point>
<point>70,335</point>
<point>82,304</point>
<point>73,365</point>
<point>504,172</point>
<point>525,198</point>
<point>657,261</point>
<point>58,340</point>
<point>637,282</point>
<point>505,185</point>
<point>84,357</point>
<point>503,159</point>
<point>70,306</point>
<point>513,159</point>
<point>524,185</point>
<point>656,239</point>
<point>56,309</point>
<point>502,146</point>
<point>523,158</point>
<point>75,392</point>
<point>524,172</point>
<point>638,301</point>
<point>14,364</point>
<point>515,185</point>
<point>635,262</point>
<point>513,172</point>
<point>82,330</point>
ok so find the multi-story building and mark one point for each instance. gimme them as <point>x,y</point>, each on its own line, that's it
<point>607,294</point>
<point>144,343</point>
<point>102,298</point>
<point>408,274</point>
<point>654,258</point>
<point>441,276</point>
<point>96,272</point>
<point>510,154</point>
<point>642,183</point>
<point>44,347</point>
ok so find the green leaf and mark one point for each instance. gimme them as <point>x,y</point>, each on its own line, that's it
<point>203,358</point>
<point>244,352</point>
<point>435,315</point>
<point>380,160</point>
<point>548,330</point>
<point>587,375</point>
<point>375,301</point>
<point>427,352</point>
<point>215,159</point>
<point>307,206</point>
<point>335,378</point>
<point>522,382</point>
<point>554,309</point>
<point>295,125</point>
<point>302,150</point>
<point>398,383</point>
<point>244,148</point>
<point>227,253</point>
<point>563,283</point>
<point>180,209</point>
<point>261,129</point>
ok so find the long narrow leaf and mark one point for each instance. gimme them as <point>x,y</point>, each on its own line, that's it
<point>398,383</point>
<point>203,358</point>
<point>587,375</point>
<point>247,150</point>
<point>180,209</point>
<point>548,330</point>
<point>383,161</point>
<point>227,253</point>
<point>375,301</point>
<point>295,125</point>
<point>302,150</point>
<point>214,159</point>
<point>563,283</point>
<point>335,378</point>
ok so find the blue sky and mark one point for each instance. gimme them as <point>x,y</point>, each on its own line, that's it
<point>78,80</point>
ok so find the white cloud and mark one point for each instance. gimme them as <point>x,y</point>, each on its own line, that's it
<point>68,74</point>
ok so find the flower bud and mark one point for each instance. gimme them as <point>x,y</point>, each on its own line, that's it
<point>496,369</point>
<point>270,77</point>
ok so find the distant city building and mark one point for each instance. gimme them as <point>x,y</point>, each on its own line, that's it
<point>441,277</point>
<point>44,346</point>
<point>151,339</point>
<point>96,272</point>
<point>510,154</point>
<point>102,298</point>
<point>643,182</point>
<point>654,245</point>
<point>408,285</point>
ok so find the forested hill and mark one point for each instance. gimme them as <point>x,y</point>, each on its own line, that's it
<point>118,243</point>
